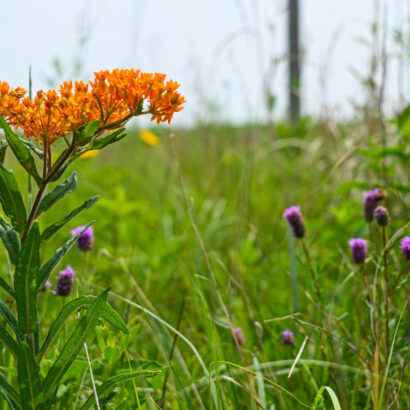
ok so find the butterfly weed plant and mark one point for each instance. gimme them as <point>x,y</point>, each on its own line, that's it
<point>82,117</point>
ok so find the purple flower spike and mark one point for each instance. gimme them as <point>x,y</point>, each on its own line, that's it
<point>65,282</point>
<point>405,248</point>
<point>287,338</point>
<point>295,219</point>
<point>358,247</point>
<point>381,214</point>
<point>238,336</point>
<point>371,199</point>
<point>86,241</point>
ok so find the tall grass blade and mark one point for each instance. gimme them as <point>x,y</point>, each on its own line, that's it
<point>386,372</point>
<point>333,397</point>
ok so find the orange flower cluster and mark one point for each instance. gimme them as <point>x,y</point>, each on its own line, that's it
<point>10,100</point>
<point>113,97</point>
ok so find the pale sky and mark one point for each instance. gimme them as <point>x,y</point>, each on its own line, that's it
<point>221,51</point>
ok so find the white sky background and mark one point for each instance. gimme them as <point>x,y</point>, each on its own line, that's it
<point>221,51</point>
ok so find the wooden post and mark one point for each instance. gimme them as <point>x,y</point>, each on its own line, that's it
<point>294,62</point>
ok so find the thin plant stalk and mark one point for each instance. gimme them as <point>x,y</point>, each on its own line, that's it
<point>97,403</point>
<point>311,270</point>
<point>387,294</point>
<point>376,370</point>
<point>171,353</point>
<point>365,278</point>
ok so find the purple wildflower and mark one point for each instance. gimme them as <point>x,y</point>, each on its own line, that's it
<point>86,241</point>
<point>287,338</point>
<point>405,247</point>
<point>358,247</point>
<point>238,336</point>
<point>381,214</point>
<point>371,199</point>
<point>295,219</point>
<point>65,282</point>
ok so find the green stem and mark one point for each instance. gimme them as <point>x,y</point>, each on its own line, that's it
<point>387,295</point>
<point>311,270</point>
<point>29,191</point>
<point>33,211</point>
<point>46,179</point>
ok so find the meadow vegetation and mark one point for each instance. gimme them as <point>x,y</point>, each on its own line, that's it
<point>202,266</point>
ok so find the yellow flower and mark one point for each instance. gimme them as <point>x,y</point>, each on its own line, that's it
<point>149,138</point>
<point>89,154</point>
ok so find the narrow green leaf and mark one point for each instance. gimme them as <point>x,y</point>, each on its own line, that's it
<point>333,397</point>
<point>30,145</point>
<point>60,157</point>
<point>10,319</point>
<point>181,387</point>
<point>10,240</point>
<point>53,229</point>
<point>25,281</point>
<point>74,344</point>
<point>259,381</point>
<point>69,185</point>
<point>20,150</point>
<point>46,269</point>
<point>9,342</point>
<point>114,318</point>
<point>88,132</point>
<point>11,200</point>
<point>58,175</point>
<point>3,149</point>
<point>110,138</point>
<point>9,393</point>
<point>140,107</point>
<point>110,384</point>
<point>30,381</point>
<point>7,288</point>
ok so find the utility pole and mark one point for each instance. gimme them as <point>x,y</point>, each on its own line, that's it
<point>294,62</point>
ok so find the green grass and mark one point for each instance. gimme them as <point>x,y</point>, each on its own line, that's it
<point>193,230</point>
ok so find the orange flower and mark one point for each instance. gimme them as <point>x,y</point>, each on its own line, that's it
<point>113,97</point>
<point>10,100</point>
